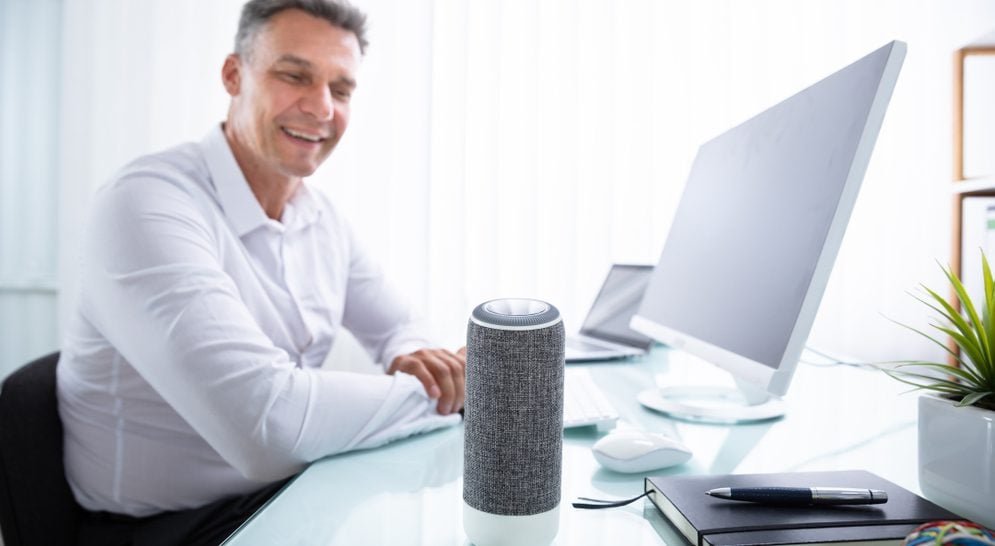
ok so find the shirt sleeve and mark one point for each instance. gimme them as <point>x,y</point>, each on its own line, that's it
<point>375,312</point>
<point>154,285</point>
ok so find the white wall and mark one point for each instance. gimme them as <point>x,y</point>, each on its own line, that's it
<point>469,113</point>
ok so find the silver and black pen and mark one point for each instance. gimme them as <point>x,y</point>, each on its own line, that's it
<point>801,495</point>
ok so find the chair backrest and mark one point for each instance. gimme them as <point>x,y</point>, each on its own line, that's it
<point>36,504</point>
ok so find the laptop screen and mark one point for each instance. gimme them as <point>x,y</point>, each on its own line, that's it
<point>617,302</point>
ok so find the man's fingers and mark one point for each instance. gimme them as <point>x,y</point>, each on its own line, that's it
<point>418,369</point>
<point>443,373</point>
<point>444,377</point>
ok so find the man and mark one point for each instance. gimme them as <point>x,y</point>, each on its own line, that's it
<point>214,282</point>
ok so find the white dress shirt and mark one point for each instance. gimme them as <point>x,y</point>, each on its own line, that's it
<point>190,370</point>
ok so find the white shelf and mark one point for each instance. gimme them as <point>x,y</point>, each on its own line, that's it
<point>974,185</point>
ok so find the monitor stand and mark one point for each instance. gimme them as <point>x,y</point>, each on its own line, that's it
<point>713,404</point>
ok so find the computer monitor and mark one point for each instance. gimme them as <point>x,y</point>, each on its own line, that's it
<point>756,233</point>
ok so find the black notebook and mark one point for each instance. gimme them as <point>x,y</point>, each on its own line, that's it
<point>710,521</point>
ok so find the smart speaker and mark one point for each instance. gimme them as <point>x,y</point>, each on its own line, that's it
<point>513,423</point>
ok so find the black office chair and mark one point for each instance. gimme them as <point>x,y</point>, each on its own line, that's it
<point>36,504</point>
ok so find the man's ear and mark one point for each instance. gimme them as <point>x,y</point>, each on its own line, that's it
<point>231,74</point>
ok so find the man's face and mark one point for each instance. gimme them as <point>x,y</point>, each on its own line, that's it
<point>290,97</point>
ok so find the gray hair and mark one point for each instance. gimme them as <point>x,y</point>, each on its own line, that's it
<point>256,13</point>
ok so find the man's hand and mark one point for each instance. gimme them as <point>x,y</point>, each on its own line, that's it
<point>442,372</point>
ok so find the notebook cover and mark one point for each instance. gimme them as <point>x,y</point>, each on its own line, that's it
<point>876,535</point>
<point>704,519</point>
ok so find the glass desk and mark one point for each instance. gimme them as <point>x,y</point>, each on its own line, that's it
<point>410,492</point>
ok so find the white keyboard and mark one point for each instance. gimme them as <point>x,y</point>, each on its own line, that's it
<point>583,402</point>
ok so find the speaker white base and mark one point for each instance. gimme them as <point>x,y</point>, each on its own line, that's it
<point>485,529</point>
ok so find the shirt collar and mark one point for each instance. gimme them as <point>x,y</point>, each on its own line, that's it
<point>238,202</point>
<point>234,195</point>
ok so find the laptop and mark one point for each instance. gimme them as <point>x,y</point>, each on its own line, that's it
<point>605,334</point>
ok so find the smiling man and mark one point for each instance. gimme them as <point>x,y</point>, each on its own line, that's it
<point>214,282</point>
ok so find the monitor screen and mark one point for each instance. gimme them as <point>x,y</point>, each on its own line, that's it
<point>760,222</point>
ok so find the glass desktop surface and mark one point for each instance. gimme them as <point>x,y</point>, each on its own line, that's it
<point>410,492</point>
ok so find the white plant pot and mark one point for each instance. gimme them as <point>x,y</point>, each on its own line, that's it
<point>957,458</point>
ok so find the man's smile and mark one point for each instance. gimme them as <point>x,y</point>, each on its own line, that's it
<point>304,135</point>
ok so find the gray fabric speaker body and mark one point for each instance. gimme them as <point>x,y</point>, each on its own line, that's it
<point>513,422</point>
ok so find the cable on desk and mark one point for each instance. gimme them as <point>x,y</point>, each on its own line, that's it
<point>604,503</point>
<point>833,361</point>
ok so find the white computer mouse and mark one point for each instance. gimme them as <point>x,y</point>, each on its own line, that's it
<point>631,451</point>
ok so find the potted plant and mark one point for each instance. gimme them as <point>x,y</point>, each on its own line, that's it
<point>957,417</point>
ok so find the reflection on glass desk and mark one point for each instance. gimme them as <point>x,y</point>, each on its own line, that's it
<point>410,492</point>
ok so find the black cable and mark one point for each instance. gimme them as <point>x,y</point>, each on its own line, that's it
<point>605,503</point>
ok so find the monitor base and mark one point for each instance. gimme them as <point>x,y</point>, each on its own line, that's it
<point>722,405</point>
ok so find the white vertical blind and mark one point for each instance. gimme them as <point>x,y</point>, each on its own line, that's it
<point>564,130</point>
<point>497,147</point>
<point>29,111</point>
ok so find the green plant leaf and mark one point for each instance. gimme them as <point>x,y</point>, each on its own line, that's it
<point>952,316</point>
<point>974,337</point>
<point>971,350</point>
<point>972,346</point>
<point>972,398</point>
<point>927,387</point>
<point>948,312</point>
<point>930,382</point>
<point>986,274</point>
<point>987,368</point>
<point>965,301</point>
<point>965,374</point>
<point>929,337</point>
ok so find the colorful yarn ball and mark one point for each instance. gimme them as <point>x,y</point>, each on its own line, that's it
<point>962,533</point>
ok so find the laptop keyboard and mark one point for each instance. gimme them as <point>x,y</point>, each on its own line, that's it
<point>581,345</point>
<point>584,403</point>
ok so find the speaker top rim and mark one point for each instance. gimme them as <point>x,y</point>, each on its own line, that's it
<point>516,314</point>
